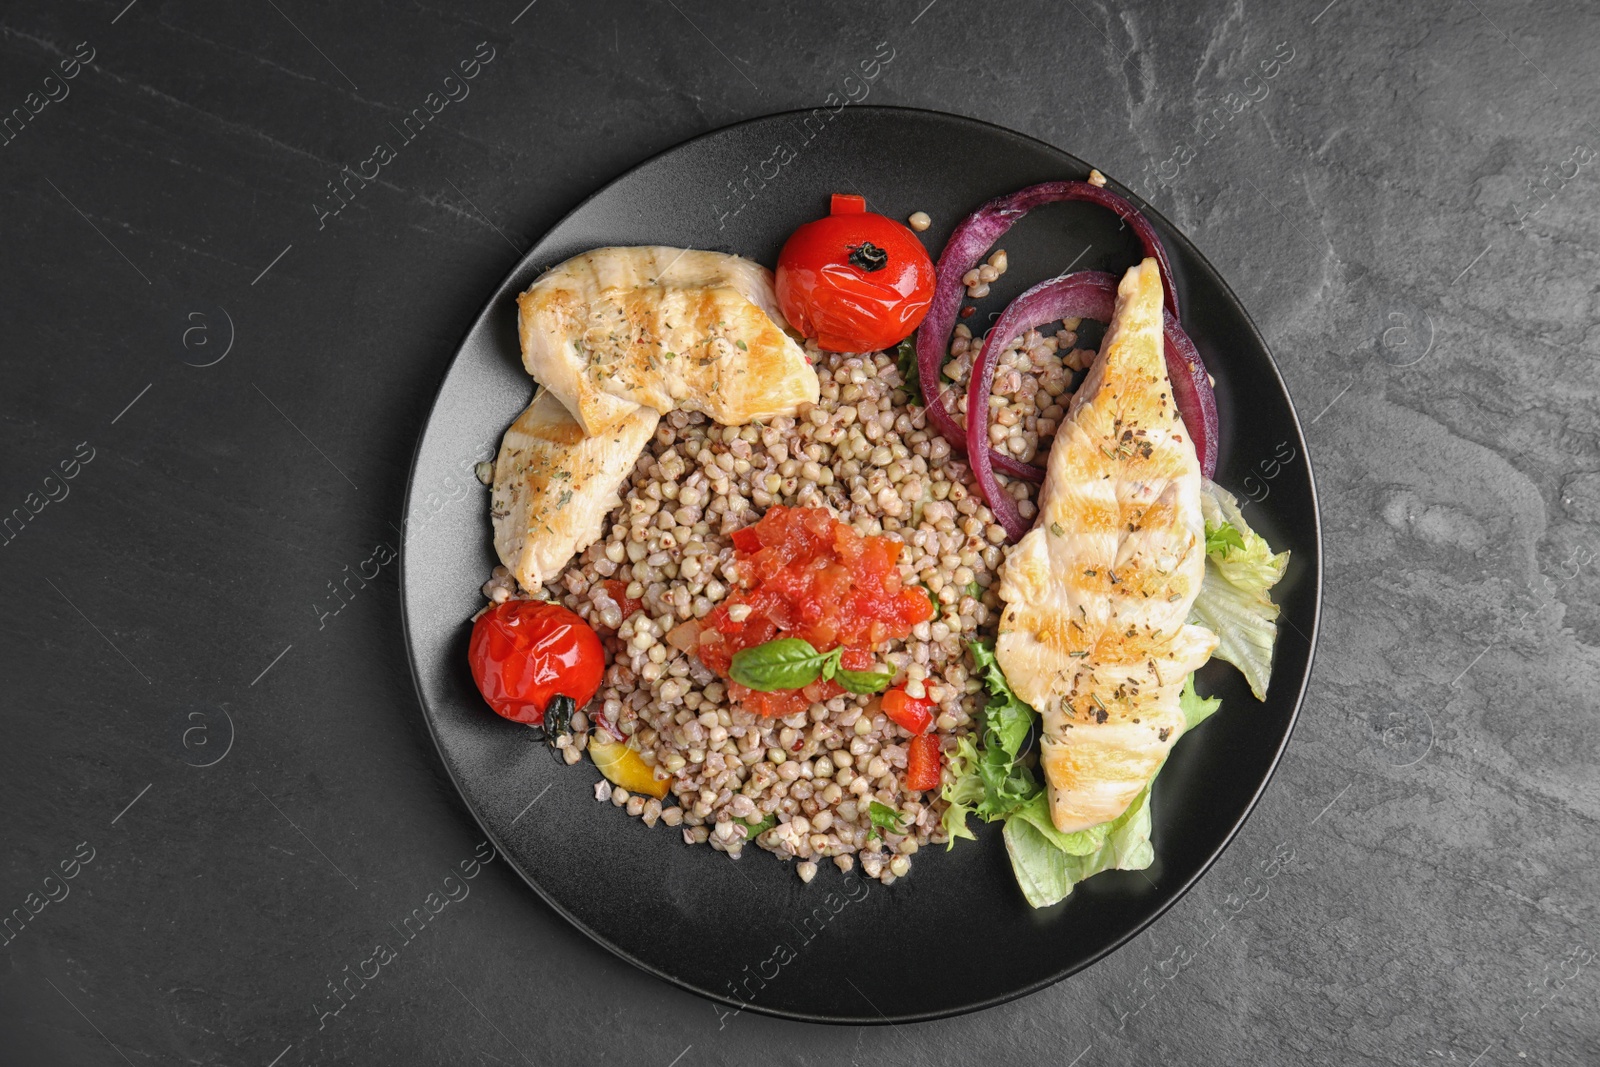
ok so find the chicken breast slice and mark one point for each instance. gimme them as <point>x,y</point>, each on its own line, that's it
<point>555,484</point>
<point>617,329</point>
<point>1096,595</point>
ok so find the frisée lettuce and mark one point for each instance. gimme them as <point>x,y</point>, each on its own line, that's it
<point>994,783</point>
<point>1048,863</point>
<point>992,778</point>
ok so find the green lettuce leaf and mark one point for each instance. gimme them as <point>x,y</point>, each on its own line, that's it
<point>1040,868</point>
<point>962,790</point>
<point>1007,723</point>
<point>1082,843</point>
<point>1047,873</point>
<point>1222,538</point>
<point>990,781</point>
<point>1005,716</point>
<point>1196,708</point>
<point>1127,842</point>
<point>1234,604</point>
<point>1048,863</point>
<point>1006,784</point>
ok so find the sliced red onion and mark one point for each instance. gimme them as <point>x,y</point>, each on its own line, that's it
<point>976,235</point>
<point>1084,295</point>
<point>1192,392</point>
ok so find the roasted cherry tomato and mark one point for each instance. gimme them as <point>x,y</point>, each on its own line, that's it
<point>922,762</point>
<point>855,281</point>
<point>524,652</point>
<point>914,713</point>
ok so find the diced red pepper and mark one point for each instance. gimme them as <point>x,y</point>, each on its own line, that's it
<point>914,713</point>
<point>803,573</point>
<point>618,591</point>
<point>922,762</point>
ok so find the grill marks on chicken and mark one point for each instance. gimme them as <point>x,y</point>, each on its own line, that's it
<point>618,337</point>
<point>621,328</point>
<point>1096,595</point>
<point>554,485</point>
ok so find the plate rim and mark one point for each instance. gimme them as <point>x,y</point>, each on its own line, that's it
<point>491,305</point>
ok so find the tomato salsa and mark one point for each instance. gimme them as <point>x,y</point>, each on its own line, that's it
<point>803,573</point>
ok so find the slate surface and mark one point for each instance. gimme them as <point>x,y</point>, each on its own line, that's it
<point>238,778</point>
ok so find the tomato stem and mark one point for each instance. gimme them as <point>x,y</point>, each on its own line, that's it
<point>868,257</point>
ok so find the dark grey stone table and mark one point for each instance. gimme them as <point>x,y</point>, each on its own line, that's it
<point>218,790</point>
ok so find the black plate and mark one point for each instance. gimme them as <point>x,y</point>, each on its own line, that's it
<point>956,935</point>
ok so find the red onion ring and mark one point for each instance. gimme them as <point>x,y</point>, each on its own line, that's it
<point>1086,295</point>
<point>976,234</point>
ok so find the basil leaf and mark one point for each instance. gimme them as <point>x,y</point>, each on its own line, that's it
<point>906,358</point>
<point>886,818</point>
<point>786,663</point>
<point>760,827</point>
<point>831,662</point>
<point>864,681</point>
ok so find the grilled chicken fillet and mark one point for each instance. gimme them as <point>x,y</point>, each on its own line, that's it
<point>555,484</point>
<point>618,337</point>
<point>1096,595</point>
<point>617,329</point>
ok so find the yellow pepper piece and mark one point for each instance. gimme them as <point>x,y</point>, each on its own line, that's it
<point>622,766</point>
